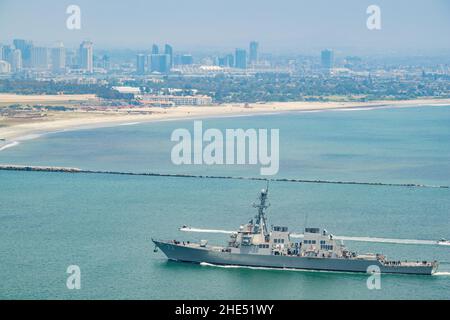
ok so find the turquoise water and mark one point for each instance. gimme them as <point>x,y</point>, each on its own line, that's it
<point>402,145</point>
<point>104,223</point>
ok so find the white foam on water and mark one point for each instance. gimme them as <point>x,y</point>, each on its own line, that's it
<point>357,109</point>
<point>443,273</point>
<point>447,244</point>
<point>311,111</point>
<point>129,124</point>
<point>31,136</point>
<point>271,113</point>
<point>436,105</point>
<point>27,137</point>
<point>206,264</point>
<point>9,145</point>
<point>379,107</point>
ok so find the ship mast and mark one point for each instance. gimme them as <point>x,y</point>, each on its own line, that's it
<point>260,225</point>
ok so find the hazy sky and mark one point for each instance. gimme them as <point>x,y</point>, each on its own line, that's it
<point>279,25</point>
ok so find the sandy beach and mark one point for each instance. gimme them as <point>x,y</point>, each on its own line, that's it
<point>12,131</point>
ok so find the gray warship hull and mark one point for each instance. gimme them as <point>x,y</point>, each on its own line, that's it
<point>214,255</point>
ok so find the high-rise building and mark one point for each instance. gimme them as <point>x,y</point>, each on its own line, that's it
<point>159,63</point>
<point>221,61</point>
<point>86,56</point>
<point>254,57</point>
<point>229,58</point>
<point>186,59</point>
<point>155,49</point>
<point>72,60</point>
<point>25,48</point>
<point>105,62</point>
<point>6,53</point>
<point>16,61</point>
<point>168,50</point>
<point>327,59</point>
<point>226,61</point>
<point>148,63</point>
<point>59,58</point>
<point>40,58</point>
<point>241,59</point>
<point>140,64</point>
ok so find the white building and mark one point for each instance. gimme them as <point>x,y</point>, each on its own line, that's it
<point>5,67</point>
<point>16,61</point>
<point>86,56</point>
<point>59,58</point>
<point>40,58</point>
<point>128,90</point>
<point>170,100</point>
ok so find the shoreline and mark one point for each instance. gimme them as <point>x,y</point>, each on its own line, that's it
<point>11,136</point>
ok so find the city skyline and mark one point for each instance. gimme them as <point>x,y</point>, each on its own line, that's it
<point>24,54</point>
<point>287,26</point>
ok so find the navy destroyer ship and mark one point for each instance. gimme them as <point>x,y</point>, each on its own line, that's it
<point>256,245</point>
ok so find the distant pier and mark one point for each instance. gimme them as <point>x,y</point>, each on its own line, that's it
<point>150,174</point>
<point>39,168</point>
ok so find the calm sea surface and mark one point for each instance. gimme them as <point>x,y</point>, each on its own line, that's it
<point>104,223</point>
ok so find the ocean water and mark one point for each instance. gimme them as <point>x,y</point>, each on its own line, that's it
<point>388,145</point>
<point>104,223</point>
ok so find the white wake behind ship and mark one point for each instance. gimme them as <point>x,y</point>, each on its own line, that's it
<point>255,245</point>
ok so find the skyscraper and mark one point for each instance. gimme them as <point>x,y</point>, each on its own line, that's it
<point>254,57</point>
<point>155,49</point>
<point>229,60</point>
<point>86,56</point>
<point>241,59</point>
<point>140,64</point>
<point>222,61</point>
<point>59,58</point>
<point>159,63</point>
<point>40,58</point>
<point>226,61</point>
<point>168,50</point>
<point>186,59</point>
<point>105,62</point>
<point>25,48</point>
<point>72,60</point>
<point>6,53</point>
<point>327,59</point>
